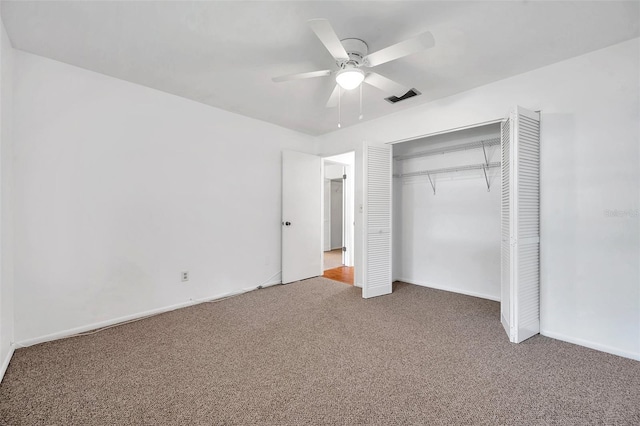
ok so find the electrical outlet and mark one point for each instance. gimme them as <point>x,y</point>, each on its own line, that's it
<point>184,276</point>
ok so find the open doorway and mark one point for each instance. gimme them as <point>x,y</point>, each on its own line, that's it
<point>338,217</point>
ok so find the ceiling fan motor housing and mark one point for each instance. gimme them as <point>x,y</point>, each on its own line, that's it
<point>356,49</point>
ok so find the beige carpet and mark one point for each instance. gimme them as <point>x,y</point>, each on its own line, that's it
<point>315,352</point>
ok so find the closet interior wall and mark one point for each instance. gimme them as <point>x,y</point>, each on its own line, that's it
<point>449,240</point>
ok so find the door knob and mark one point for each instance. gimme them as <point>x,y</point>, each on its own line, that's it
<point>286,223</point>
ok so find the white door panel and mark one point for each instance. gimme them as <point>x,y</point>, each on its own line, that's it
<point>376,230</point>
<point>302,192</point>
<point>520,295</point>
<point>505,256</point>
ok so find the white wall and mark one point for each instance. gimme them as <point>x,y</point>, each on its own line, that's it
<point>450,240</point>
<point>590,138</point>
<point>119,188</point>
<point>6,226</point>
<point>333,171</point>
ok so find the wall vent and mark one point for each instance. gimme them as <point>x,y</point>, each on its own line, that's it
<point>410,94</point>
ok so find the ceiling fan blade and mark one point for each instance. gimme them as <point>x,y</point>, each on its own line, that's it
<point>386,85</point>
<point>404,48</point>
<point>302,75</point>
<point>328,37</point>
<point>333,99</point>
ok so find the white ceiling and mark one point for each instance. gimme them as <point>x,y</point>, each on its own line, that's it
<point>225,53</point>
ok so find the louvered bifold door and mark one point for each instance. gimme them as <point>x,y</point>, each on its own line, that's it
<point>505,255</point>
<point>526,223</point>
<point>376,279</point>
<point>520,304</point>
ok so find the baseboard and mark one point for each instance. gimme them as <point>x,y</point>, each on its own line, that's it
<point>94,326</point>
<point>6,361</point>
<point>591,345</point>
<point>451,289</point>
<point>272,280</point>
<point>267,284</point>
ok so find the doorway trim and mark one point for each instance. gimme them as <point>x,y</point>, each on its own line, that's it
<point>349,204</point>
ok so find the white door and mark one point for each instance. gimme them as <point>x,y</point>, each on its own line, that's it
<point>505,249</point>
<point>520,298</point>
<point>302,191</point>
<point>376,226</point>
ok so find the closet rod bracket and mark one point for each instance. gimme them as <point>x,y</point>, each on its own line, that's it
<point>486,178</point>
<point>484,151</point>
<point>432,184</point>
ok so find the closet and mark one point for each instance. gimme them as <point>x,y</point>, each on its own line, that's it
<point>447,211</point>
<point>466,215</point>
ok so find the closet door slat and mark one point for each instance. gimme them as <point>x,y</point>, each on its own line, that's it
<point>505,258</point>
<point>377,208</point>
<point>520,303</point>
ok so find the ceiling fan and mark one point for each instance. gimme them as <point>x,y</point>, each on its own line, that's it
<point>352,54</point>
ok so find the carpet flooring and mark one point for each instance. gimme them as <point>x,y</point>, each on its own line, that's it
<point>315,352</point>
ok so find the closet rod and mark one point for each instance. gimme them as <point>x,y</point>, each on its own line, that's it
<point>461,147</point>
<point>481,166</point>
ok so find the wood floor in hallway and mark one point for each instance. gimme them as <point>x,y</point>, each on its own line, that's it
<point>342,273</point>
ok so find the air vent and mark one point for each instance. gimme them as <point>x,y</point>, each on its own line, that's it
<point>410,94</point>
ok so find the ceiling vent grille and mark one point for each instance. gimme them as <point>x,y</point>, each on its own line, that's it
<point>410,94</point>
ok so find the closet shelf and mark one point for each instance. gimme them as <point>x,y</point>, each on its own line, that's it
<point>462,147</point>
<point>481,166</point>
<point>428,173</point>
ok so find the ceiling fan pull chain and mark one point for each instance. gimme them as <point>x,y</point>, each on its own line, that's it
<point>360,116</point>
<point>339,102</point>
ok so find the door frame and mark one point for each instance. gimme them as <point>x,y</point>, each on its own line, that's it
<point>348,208</point>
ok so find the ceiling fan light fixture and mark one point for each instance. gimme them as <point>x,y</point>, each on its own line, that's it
<point>350,78</point>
